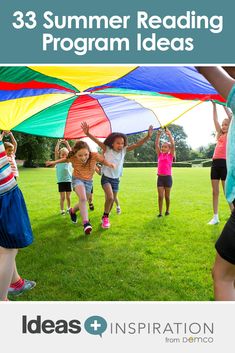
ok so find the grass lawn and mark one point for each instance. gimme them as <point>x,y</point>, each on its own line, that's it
<point>141,257</point>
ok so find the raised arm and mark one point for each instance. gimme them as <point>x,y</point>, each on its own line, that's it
<point>215,118</point>
<point>57,149</point>
<point>142,141</point>
<point>157,142</point>
<point>85,127</point>
<point>66,143</point>
<point>172,141</point>
<point>228,112</point>
<point>13,140</point>
<point>219,78</point>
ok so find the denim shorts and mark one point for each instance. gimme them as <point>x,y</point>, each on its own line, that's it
<point>88,184</point>
<point>114,182</point>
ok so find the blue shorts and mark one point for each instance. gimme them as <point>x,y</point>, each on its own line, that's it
<point>88,184</point>
<point>114,182</point>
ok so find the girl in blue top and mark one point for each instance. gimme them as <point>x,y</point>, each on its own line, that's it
<point>63,174</point>
<point>114,148</point>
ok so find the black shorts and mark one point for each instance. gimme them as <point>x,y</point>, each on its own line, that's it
<point>164,181</point>
<point>65,187</point>
<point>218,169</point>
<point>225,245</point>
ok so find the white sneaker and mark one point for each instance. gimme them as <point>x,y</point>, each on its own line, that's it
<point>118,210</point>
<point>214,220</point>
<point>62,212</point>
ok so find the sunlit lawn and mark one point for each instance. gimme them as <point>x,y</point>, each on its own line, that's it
<point>141,257</point>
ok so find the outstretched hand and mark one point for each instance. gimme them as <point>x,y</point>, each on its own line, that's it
<point>49,163</point>
<point>85,127</point>
<point>150,131</point>
<point>167,131</point>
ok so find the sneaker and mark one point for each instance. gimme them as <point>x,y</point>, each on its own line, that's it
<point>160,215</point>
<point>91,207</point>
<point>214,220</point>
<point>105,222</point>
<point>62,212</point>
<point>73,216</point>
<point>87,228</point>
<point>28,285</point>
<point>67,211</point>
<point>118,210</point>
<point>167,213</point>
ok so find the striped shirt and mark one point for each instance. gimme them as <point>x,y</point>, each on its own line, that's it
<point>7,180</point>
<point>12,161</point>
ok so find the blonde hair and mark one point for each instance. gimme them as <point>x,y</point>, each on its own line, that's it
<point>63,150</point>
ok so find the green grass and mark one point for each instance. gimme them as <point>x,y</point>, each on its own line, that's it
<point>141,257</point>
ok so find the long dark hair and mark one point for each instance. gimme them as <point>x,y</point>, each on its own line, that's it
<point>79,145</point>
<point>112,137</point>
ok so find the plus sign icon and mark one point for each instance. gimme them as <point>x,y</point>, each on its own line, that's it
<point>95,325</point>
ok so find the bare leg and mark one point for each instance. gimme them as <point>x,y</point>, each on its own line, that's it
<point>68,196</point>
<point>167,198</point>
<point>224,277</point>
<point>215,194</point>
<point>90,198</point>
<point>62,199</point>
<point>116,199</point>
<point>15,275</point>
<point>82,206</point>
<point>230,204</point>
<point>7,265</point>
<point>161,193</point>
<point>109,198</point>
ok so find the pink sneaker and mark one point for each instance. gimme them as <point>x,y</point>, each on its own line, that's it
<point>105,223</point>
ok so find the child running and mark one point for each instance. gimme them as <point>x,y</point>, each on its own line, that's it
<point>11,148</point>
<point>64,175</point>
<point>165,155</point>
<point>15,230</point>
<point>224,266</point>
<point>114,148</point>
<point>84,164</point>
<point>218,168</point>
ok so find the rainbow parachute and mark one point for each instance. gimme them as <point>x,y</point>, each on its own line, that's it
<point>53,100</point>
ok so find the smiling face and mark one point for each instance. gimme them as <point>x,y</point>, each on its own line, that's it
<point>118,144</point>
<point>83,155</point>
<point>165,148</point>
<point>225,126</point>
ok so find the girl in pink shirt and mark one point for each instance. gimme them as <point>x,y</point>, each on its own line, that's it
<point>165,155</point>
<point>218,168</point>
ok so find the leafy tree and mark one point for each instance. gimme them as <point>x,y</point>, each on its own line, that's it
<point>34,149</point>
<point>146,153</point>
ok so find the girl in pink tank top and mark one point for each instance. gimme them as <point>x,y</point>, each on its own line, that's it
<point>165,154</point>
<point>218,168</point>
